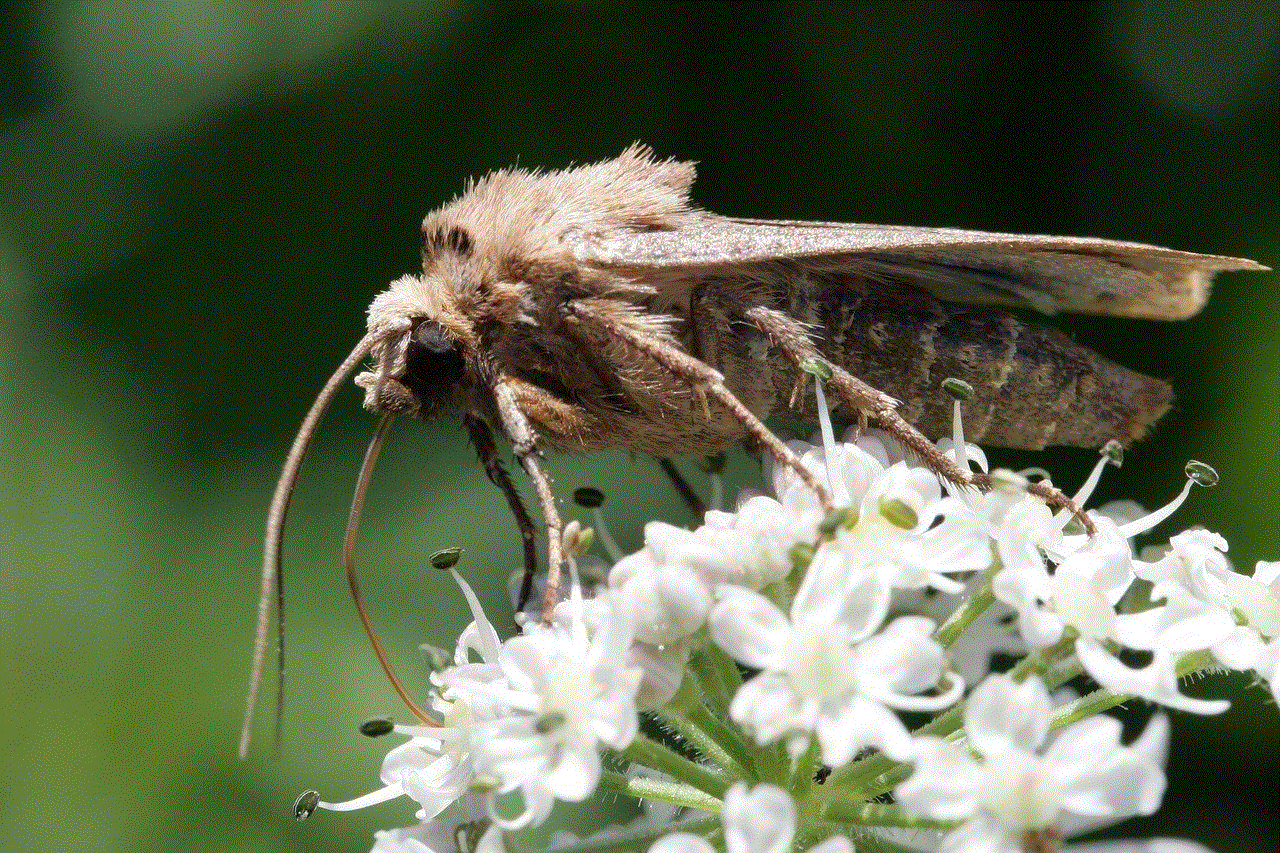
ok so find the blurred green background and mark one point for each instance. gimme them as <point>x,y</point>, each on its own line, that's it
<point>198,200</point>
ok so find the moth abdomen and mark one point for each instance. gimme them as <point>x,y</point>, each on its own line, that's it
<point>1033,385</point>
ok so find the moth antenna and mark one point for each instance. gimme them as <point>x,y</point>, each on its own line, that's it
<point>349,562</point>
<point>272,576</point>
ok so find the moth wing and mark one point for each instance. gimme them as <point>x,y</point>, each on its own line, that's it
<point>1049,274</point>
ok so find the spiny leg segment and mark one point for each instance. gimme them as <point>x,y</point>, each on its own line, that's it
<point>703,379</point>
<point>524,442</point>
<point>790,336</point>
<point>696,505</point>
<point>487,451</point>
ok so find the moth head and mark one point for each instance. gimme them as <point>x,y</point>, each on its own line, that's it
<point>423,351</point>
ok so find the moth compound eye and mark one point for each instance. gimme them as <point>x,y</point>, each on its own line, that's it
<point>433,360</point>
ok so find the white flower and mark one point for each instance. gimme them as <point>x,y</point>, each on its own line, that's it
<point>669,585</point>
<point>1156,682</point>
<point>565,689</point>
<point>764,533</point>
<point>1267,664</point>
<point>665,598</point>
<point>760,821</point>
<point>662,668</point>
<point>993,632</point>
<point>823,670</point>
<point>1081,593</point>
<point>525,721</point>
<point>1092,575</point>
<point>433,767</point>
<point>1196,562</point>
<point>1146,845</point>
<point>1256,601</point>
<point>1258,597</point>
<point>910,534</point>
<point>1084,775</point>
<point>848,470</point>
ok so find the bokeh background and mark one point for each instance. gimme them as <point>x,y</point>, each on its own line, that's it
<point>198,200</point>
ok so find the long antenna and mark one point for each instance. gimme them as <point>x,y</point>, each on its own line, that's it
<point>272,574</point>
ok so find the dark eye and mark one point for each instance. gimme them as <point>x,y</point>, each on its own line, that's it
<point>433,361</point>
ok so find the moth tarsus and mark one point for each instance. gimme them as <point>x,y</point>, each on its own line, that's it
<point>697,507</point>
<point>594,307</point>
<point>491,461</point>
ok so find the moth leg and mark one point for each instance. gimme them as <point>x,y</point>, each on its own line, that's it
<point>703,379</point>
<point>487,451</point>
<point>865,400</point>
<point>687,494</point>
<point>524,443</point>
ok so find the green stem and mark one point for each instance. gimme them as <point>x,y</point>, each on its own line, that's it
<point>734,754</point>
<point>719,743</point>
<point>665,760</point>
<point>1102,700</point>
<point>659,790</point>
<point>717,673</point>
<point>1039,661</point>
<point>965,615</point>
<point>803,766</point>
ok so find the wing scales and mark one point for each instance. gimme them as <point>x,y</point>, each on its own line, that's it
<point>1078,274</point>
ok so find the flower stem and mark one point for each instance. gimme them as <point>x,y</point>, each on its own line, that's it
<point>965,615</point>
<point>655,756</point>
<point>659,790</point>
<point>717,674</point>
<point>711,737</point>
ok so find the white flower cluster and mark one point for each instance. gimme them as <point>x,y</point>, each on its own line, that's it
<point>898,602</point>
<point>529,716</point>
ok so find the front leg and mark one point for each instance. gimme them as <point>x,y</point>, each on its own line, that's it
<point>487,451</point>
<point>523,440</point>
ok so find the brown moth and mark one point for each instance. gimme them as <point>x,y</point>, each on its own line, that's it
<point>595,307</point>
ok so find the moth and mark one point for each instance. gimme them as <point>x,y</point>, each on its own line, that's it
<point>595,307</point>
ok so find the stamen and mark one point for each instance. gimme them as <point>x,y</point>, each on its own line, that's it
<point>445,558</point>
<point>714,466</point>
<point>1198,474</point>
<point>1202,474</point>
<point>305,805</point>
<point>1112,453</point>
<point>487,636</point>
<point>960,391</point>
<point>377,727</point>
<point>593,499</point>
<point>373,798</point>
<point>821,373</point>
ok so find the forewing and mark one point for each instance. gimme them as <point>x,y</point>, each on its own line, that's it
<point>1046,273</point>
